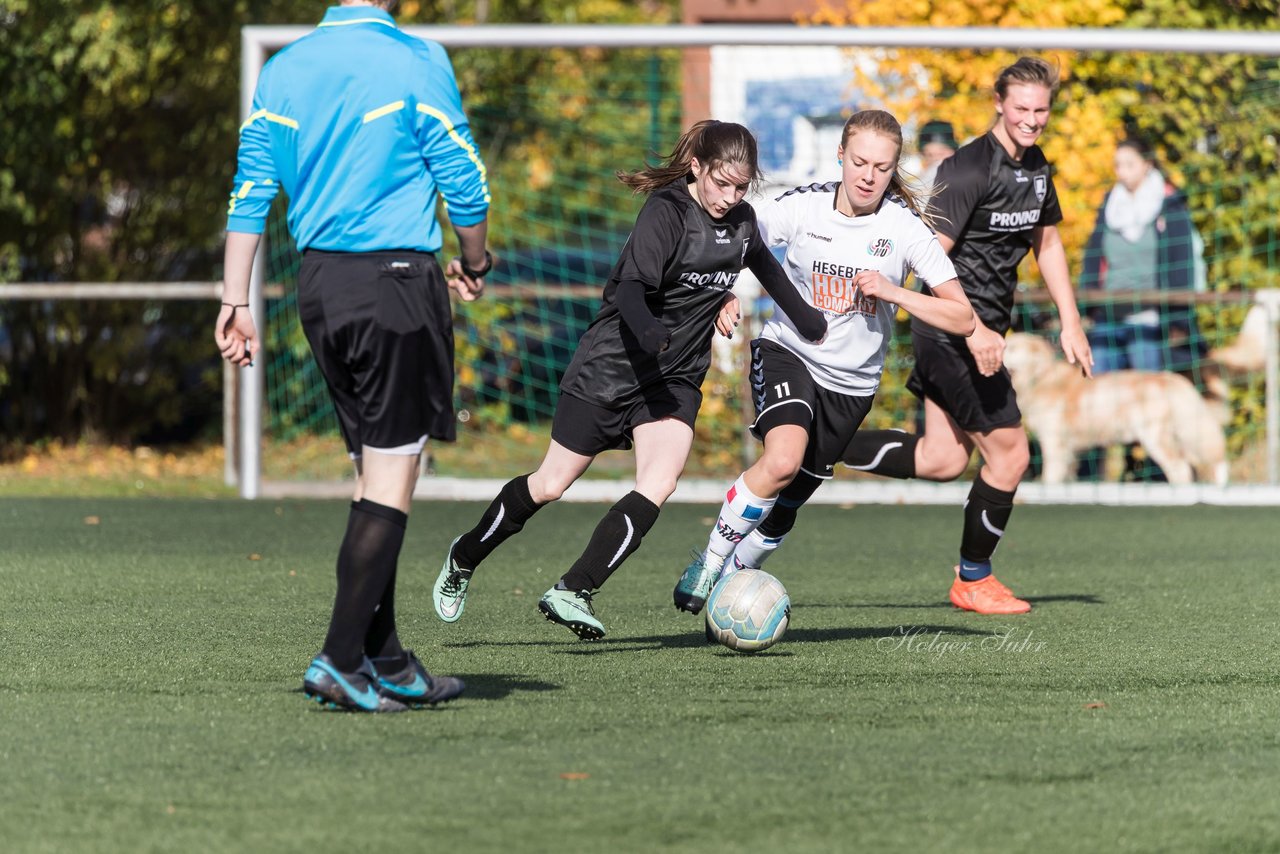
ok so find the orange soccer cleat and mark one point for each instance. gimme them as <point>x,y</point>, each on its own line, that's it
<point>986,596</point>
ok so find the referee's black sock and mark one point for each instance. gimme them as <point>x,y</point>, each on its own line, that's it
<point>382,640</point>
<point>986,513</point>
<point>503,519</point>
<point>885,452</point>
<point>615,538</point>
<point>366,565</point>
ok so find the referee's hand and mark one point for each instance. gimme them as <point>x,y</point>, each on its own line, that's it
<point>235,335</point>
<point>467,288</point>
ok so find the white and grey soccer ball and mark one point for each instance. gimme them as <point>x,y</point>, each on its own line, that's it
<point>748,610</point>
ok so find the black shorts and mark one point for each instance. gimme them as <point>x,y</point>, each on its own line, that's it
<point>946,373</point>
<point>380,328</point>
<point>588,428</point>
<point>785,393</point>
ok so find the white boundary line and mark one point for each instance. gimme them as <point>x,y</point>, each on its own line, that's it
<point>698,491</point>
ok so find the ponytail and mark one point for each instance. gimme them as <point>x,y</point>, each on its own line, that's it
<point>713,143</point>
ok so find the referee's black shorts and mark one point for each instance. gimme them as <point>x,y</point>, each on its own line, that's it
<point>946,373</point>
<point>785,393</point>
<point>380,327</point>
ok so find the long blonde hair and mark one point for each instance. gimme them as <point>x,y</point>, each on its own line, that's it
<point>883,123</point>
<point>713,143</point>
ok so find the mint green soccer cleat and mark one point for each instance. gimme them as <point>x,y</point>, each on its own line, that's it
<point>449,596</point>
<point>572,609</point>
<point>695,584</point>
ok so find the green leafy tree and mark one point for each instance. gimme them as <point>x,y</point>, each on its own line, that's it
<point>119,122</point>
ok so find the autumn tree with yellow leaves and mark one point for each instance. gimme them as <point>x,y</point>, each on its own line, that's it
<point>1212,119</point>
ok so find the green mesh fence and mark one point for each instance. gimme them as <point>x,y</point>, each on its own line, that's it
<point>556,126</point>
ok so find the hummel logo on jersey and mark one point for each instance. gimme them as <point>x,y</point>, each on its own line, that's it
<point>1014,219</point>
<point>720,235</point>
<point>818,236</point>
<point>880,248</point>
<point>1019,177</point>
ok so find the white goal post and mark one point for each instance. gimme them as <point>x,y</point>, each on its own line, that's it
<point>259,42</point>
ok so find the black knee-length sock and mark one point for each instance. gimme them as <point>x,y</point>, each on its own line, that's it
<point>890,453</point>
<point>614,539</point>
<point>503,519</point>
<point>382,640</point>
<point>986,513</point>
<point>366,564</point>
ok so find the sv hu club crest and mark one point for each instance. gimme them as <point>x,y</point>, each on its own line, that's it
<point>880,248</point>
<point>1042,187</point>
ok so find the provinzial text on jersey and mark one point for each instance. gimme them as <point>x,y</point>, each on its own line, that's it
<point>1014,219</point>
<point>721,279</point>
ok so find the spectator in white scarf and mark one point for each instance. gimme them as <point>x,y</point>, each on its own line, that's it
<point>1144,240</point>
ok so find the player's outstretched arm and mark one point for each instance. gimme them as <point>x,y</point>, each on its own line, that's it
<point>1052,258</point>
<point>809,322</point>
<point>947,309</point>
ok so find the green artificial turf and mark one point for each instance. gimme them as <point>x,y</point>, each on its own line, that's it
<point>150,672</point>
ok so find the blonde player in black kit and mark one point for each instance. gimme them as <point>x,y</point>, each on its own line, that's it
<point>636,375</point>
<point>996,201</point>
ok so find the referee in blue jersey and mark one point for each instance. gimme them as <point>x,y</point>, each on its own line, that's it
<point>362,126</point>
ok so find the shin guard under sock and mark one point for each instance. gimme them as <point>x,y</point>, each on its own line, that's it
<point>503,519</point>
<point>366,565</point>
<point>884,452</point>
<point>616,536</point>
<point>986,513</point>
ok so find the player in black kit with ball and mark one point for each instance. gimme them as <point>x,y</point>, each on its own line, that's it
<point>636,376</point>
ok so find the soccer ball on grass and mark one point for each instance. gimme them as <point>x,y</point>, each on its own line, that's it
<point>748,610</point>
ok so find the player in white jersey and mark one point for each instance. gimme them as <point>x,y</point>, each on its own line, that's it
<point>849,245</point>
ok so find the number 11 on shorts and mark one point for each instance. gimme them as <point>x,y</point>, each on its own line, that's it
<point>782,389</point>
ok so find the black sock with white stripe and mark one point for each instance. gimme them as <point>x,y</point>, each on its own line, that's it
<point>503,519</point>
<point>615,538</point>
<point>890,453</point>
<point>986,513</point>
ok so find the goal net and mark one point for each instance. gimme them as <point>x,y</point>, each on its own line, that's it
<point>558,110</point>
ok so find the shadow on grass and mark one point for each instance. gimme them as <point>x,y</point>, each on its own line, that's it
<point>695,639</point>
<point>908,606</point>
<point>1084,598</point>
<point>496,686</point>
<point>480,686</point>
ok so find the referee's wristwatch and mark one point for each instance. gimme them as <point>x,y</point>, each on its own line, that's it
<point>477,274</point>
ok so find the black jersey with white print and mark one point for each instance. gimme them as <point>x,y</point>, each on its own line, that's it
<point>686,261</point>
<point>989,204</point>
<point>825,251</point>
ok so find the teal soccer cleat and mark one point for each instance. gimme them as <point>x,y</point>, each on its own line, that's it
<point>351,692</point>
<point>449,596</point>
<point>695,584</point>
<point>573,611</point>
<point>412,685</point>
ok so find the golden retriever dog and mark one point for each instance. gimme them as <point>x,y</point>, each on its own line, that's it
<point>1249,351</point>
<point>1068,413</point>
